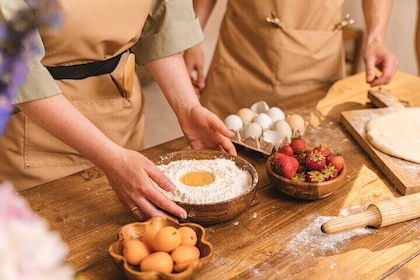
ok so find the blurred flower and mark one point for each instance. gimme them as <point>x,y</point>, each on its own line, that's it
<point>16,37</point>
<point>28,249</point>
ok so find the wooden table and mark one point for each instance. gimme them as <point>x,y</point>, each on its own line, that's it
<point>277,237</point>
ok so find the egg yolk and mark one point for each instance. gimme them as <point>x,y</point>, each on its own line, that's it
<point>197,178</point>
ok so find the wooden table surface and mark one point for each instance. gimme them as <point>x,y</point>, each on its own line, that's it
<point>277,237</point>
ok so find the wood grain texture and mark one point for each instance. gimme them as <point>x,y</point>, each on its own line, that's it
<point>271,240</point>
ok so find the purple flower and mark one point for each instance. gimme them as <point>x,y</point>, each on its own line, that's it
<point>15,47</point>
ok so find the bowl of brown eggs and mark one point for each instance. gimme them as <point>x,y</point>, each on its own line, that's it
<point>161,248</point>
<point>212,186</point>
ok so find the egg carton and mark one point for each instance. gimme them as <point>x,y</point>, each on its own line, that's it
<point>256,144</point>
<point>269,139</point>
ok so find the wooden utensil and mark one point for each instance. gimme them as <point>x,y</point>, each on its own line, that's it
<point>378,215</point>
<point>382,98</point>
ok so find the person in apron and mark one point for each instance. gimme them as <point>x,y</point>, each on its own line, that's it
<point>81,104</point>
<point>272,50</point>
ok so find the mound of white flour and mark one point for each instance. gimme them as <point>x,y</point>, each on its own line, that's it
<point>230,181</point>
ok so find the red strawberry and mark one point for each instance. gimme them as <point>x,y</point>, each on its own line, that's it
<point>329,172</point>
<point>299,177</point>
<point>337,160</point>
<point>315,177</point>
<point>301,159</point>
<point>285,166</point>
<point>323,149</point>
<point>298,145</point>
<point>314,160</point>
<point>285,149</point>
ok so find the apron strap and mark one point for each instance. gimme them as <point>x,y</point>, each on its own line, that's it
<point>82,71</point>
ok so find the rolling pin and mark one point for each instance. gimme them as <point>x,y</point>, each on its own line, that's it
<point>377,215</point>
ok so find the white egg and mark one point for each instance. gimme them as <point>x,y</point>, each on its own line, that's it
<point>246,114</point>
<point>260,107</point>
<point>264,121</point>
<point>284,129</point>
<point>233,122</point>
<point>251,130</point>
<point>297,124</point>
<point>276,114</point>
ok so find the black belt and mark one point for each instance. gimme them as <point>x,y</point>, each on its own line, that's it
<point>82,71</point>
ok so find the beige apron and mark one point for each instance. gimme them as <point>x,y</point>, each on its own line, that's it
<point>90,31</point>
<point>271,50</point>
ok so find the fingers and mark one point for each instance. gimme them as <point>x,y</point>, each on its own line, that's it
<point>228,147</point>
<point>378,57</point>
<point>154,197</point>
<point>145,209</point>
<point>220,127</point>
<point>370,70</point>
<point>160,179</point>
<point>389,68</point>
<point>201,81</point>
<point>225,137</point>
<point>137,213</point>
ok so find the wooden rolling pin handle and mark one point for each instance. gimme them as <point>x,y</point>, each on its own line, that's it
<point>370,217</point>
<point>378,215</point>
<point>400,209</point>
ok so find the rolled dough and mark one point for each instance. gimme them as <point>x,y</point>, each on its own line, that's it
<point>397,134</point>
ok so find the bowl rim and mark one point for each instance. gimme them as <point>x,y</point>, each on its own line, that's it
<point>218,154</point>
<point>121,262</point>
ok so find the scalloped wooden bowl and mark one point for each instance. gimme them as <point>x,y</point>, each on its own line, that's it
<point>304,190</point>
<point>136,231</point>
<point>213,213</point>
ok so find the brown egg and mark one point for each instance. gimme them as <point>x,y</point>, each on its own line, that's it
<point>157,261</point>
<point>167,239</point>
<point>188,235</point>
<point>148,237</point>
<point>180,267</point>
<point>183,256</point>
<point>135,251</point>
<point>297,124</point>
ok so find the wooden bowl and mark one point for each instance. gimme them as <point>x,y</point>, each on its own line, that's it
<point>304,190</point>
<point>213,213</point>
<point>136,231</point>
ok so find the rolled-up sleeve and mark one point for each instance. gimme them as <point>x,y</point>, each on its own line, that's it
<point>170,28</point>
<point>38,82</point>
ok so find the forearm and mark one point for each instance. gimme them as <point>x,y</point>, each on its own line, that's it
<point>61,119</point>
<point>376,14</point>
<point>203,10</point>
<point>173,79</point>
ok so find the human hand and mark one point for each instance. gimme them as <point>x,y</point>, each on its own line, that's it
<point>204,130</point>
<point>376,55</point>
<point>130,176</point>
<point>194,60</point>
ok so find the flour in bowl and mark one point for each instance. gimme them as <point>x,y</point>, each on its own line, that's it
<point>205,181</point>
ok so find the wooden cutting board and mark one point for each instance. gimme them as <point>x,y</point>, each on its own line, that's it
<point>403,174</point>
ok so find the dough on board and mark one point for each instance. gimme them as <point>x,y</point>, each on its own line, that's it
<point>397,134</point>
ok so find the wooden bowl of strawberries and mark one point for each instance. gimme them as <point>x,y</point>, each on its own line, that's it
<point>304,173</point>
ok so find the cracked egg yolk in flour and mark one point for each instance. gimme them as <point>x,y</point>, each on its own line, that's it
<point>197,178</point>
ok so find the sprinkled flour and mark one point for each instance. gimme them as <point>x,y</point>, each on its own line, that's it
<point>313,238</point>
<point>229,182</point>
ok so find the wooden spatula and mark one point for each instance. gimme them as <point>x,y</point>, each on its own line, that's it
<point>378,215</point>
<point>383,98</point>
